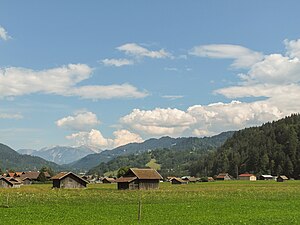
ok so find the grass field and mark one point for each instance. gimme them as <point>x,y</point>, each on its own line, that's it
<point>232,202</point>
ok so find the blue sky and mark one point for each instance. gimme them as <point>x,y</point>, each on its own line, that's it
<point>106,73</point>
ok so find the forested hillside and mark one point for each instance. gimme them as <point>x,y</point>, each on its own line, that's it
<point>172,161</point>
<point>184,143</point>
<point>10,159</point>
<point>273,148</point>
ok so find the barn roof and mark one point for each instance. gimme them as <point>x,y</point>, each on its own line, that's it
<point>283,177</point>
<point>7,181</point>
<point>62,175</point>
<point>222,175</point>
<point>110,179</point>
<point>32,175</point>
<point>246,175</point>
<point>267,176</point>
<point>146,173</point>
<point>125,179</point>
<point>179,180</point>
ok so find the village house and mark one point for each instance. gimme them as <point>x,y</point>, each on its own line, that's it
<point>68,180</point>
<point>247,176</point>
<point>282,178</point>
<point>139,179</point>
<point>108,180</point>
<point>223,176</point>
<point>177,180</point>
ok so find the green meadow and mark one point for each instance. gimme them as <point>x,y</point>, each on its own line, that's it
<point>232,202</point>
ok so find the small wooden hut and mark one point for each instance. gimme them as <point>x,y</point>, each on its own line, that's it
<point>108,180</point>
<point>9,182</point>
<point>282,178</point>
<point>223,176</point>
<point>177,180</point>
<point>68,180</point>
<point>137,178</point>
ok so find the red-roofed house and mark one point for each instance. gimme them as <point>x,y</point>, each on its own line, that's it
<point>247,176</point>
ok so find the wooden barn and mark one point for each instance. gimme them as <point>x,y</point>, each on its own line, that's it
<point>177,180</point>
<point>26,181</point>
<point>9,182</point>
<point>190,179</point>
<point>68,180</point>
<point>139,179</point>
<point>223,176</point>
<point>282,178</point>
<point>247,176</point>
<point>108,180</point>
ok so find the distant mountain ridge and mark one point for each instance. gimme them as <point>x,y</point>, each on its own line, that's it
<point>59,154</point>
<point>93,160</point>
<point>10,159</point>
<point>171,160</point>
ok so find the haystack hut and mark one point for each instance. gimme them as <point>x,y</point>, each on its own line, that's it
<point>6,182</point>
<point>177,180</point>
<point>223,176</point>
<point>137,178</point>
<point>108,180</point>
<point>282,178</point>
<point>68,180</point>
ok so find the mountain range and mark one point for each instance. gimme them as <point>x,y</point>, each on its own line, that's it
<point>59,154</point>
<point>10,159</point>
<point>190,143</point>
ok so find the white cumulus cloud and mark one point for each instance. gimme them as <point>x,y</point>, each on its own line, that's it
<point>136,50</point>
<point>243,57</point>
<point>117,62</point>
<point>64,80</point>
<point>11,116</point>
<point>3,34</point>
<point>158,121</point>
<point>80,121</point>
<point>95,139</point>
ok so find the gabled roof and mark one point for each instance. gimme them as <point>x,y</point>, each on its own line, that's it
<point>145,173</point>
<point>7,181</point>
<point>246,175</point>
<point>283,177</point>
<point>110,179</point>
<point>125,179</point>
<point>222,175</point>
<point>267,176</point>
<point>179,180</point>
<point>62,175</point>
<point>32,175</point>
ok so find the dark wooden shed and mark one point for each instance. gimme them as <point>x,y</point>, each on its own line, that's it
<point>68,180</point>
<point>137,178</point>
<point>177,180</point>
<point>281,178</point>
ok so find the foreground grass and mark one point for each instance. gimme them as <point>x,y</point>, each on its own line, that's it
<point>235,202</point>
